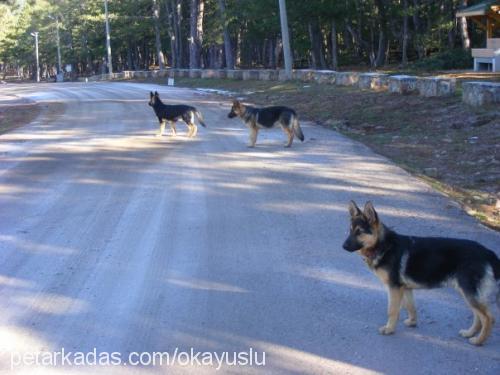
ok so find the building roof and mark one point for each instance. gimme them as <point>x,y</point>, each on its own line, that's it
<point>481,9</point>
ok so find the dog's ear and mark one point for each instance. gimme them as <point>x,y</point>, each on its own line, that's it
<point>151,94</point>
<point>156,93</point>
<point>236,103</point>
<point>354,209</point>
<point>370,213</point>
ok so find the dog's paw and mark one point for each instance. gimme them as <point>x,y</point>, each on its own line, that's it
<point>466,333</point>
<point>250,146</point>
<point>476,341</point>
<point>158,135</point>
<point>385,330</point>
<point>410,322</point>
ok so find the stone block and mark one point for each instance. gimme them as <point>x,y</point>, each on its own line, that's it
<point>402,84</point>
<point>347,78</point>
<point>481,93</point>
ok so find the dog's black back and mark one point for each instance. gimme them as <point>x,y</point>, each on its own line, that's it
<point>268,116</point>
<point>432,261</point>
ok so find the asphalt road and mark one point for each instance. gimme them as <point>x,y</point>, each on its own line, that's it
<point>114,239</point>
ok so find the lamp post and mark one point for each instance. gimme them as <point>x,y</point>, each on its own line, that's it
<point>35,34</point>
<point>286,39</point>
<point>108,38</point>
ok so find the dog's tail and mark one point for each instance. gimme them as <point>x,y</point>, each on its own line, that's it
<point>296,128</point>
<point>495,264</point>
<point>200,118</point>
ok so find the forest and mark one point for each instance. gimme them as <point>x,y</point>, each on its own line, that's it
<point>154,34</point>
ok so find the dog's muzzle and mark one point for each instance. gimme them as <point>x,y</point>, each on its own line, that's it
<point>231,115</point>
<point>350,245</point>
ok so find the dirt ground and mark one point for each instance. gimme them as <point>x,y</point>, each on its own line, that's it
<point>13,116</point>
<point>453,147</point>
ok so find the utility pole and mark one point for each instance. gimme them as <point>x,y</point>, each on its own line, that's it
<point>108,39</point>
<point>286,40</point>
<point>35,34</point>
<point>59,65</point>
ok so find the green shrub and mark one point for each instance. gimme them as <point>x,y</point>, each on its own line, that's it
<point>447,60</point>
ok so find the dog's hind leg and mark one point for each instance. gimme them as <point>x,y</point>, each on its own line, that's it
<point>195,129</point>
<point>395,299</point>
<point>289,134</point>
<point>190,129</point>
<point>486,324</point>
<point>483,320</point>
<point>409,304</point>
<point>474,328</point>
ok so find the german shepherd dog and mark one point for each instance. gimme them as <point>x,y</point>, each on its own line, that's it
<point>266,118</point>
<point>173,113</point>
<point>404,263</point>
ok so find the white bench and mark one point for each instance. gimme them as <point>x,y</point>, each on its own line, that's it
<point>487,58</point>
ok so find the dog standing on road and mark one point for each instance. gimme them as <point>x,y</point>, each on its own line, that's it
<point>404,263</point>
<point>174,113</point>
<point>266,118</point>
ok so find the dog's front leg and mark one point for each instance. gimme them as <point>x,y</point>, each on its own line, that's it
<point>162,129</point>
<point>253,136</point>
<point>395,297</point>
<point>174,130</point>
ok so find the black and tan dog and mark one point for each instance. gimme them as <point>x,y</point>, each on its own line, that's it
<point>404,263</point>
<point>266,118</point>
<point>174,113</point>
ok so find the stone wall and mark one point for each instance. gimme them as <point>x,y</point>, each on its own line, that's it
<point>474,93</point>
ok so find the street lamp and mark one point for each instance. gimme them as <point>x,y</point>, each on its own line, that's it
<point>35,34</point>
<point>59,65</point>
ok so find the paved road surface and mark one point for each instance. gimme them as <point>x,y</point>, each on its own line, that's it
<point>111,238</point>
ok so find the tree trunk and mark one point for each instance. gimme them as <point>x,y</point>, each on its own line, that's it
<point>174,11</point>
<point>404,47</point>
<point>169,8</point>
<point>228,49</point>
<point>464,31</point>
<point>238,46</point>
<point>335,52</point>
<point>382,41</point>
<point>315,46</point>
<point>129,56</point>
<point>271,54</point>
<point>156,23</point>
<point>277,51</point>
<point>196,33</point>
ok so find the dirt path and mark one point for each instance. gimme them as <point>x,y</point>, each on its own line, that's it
<point>113,239</point>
